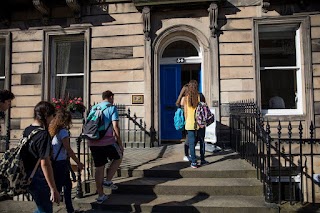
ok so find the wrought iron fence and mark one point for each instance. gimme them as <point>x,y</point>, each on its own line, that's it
<point>284,160</point>
<point>133,133</point>
<point>4,133</point>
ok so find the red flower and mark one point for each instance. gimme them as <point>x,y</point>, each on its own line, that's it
<point>73,105</point>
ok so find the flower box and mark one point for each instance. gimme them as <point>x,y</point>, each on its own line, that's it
<point>75,106</point>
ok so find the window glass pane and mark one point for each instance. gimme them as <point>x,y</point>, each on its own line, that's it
<point>277,48</point>
<point>69,56</point>
<point>68,59</point>
<point>190,72</point>
<point>71,87</point>
<point>180,49</point>
<point>2,57</point>
<point>278,89</point>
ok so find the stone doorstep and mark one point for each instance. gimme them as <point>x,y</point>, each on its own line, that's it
<point>182,203</point>
<point>187,173</point>
<point>150,203</point>
<point>147,202</point>
<point>182,186</point>
<point>169,192</point>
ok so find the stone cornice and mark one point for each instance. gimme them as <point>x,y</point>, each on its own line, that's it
<point>142,3</point>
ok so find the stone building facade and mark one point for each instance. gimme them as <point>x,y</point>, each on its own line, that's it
<point>144,51</point>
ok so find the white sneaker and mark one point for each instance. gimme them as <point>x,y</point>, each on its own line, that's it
<point>109,185</point>
<point>186,158</point>
<point>102,198</point>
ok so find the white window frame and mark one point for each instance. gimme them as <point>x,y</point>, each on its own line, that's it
<point>48,80</point>
<point>7,71</point>
<point>303,64</point>
<point>299,109</point>
<point>53,73</point>
<point>4,76</point>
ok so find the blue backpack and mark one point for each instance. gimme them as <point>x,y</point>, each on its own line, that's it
<point>179,120</point>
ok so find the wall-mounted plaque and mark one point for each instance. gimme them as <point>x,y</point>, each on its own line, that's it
<point>137,99</point>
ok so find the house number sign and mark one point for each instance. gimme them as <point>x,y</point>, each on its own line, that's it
<point>137,99</point>
<point>180,60</point>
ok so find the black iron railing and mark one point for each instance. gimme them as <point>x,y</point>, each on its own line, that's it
<point>4,133</point>
<point>284,160</point>
<point>134,134</point>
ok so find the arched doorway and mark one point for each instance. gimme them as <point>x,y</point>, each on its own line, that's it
<point>180,62</point>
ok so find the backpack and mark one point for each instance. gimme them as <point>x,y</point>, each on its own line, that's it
<point>203,115</point>
<point>179,120</point>
<point>14,179</point>
<point>94,127</point>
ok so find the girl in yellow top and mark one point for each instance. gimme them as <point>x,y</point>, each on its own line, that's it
<point>195,133</point>
<point>180,103</point>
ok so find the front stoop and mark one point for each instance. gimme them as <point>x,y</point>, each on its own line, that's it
<point>181,203</point>
<point>167,184</point>
<point>157,180</point>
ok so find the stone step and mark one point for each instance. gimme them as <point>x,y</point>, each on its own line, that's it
<point>185,186</point>
<point>226,164</point>
<point>201,202</point>
<point>157,180</point>
<point>188,173</point>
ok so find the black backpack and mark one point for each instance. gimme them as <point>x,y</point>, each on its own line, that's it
<point>13,177</point>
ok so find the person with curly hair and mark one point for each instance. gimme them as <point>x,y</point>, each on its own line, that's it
<point>194,133</point>
<point>59,131</point>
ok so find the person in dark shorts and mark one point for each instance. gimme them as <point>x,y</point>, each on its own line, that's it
<point>42,188</point>
<point>107,148</point>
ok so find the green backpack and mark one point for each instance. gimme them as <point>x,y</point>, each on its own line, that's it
<point>94,127</point>
<point>13,177</point>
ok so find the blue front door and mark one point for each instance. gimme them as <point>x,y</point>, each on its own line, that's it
<point>170,85</point>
